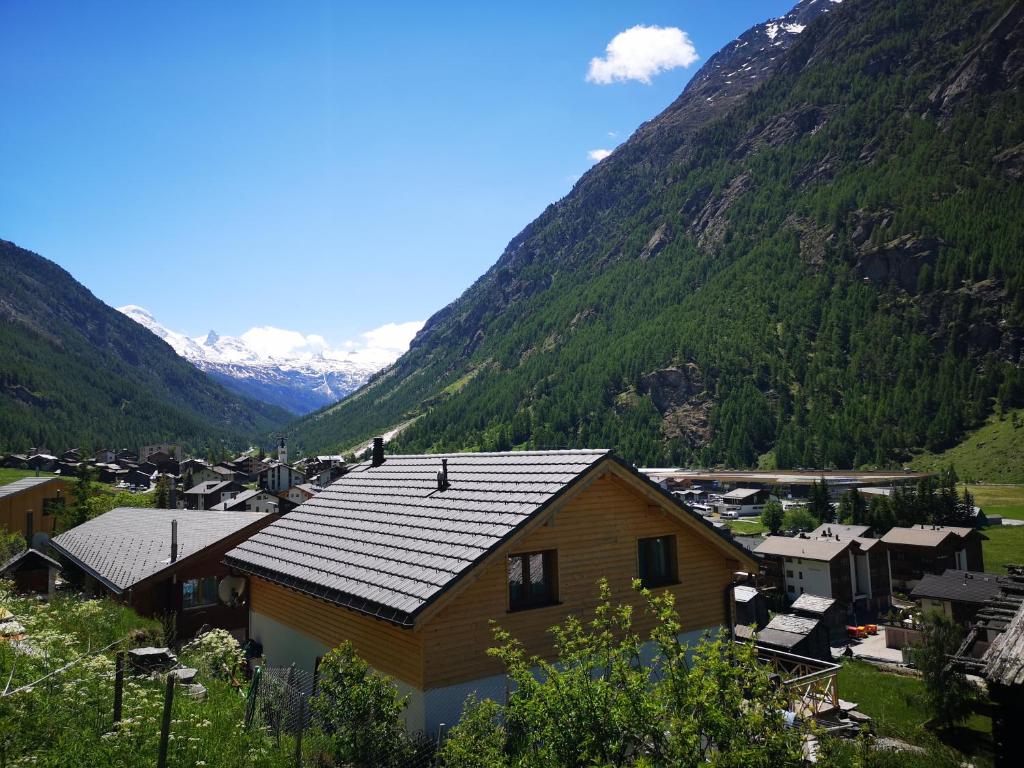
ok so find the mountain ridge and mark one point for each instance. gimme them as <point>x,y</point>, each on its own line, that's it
<point>74,371</point>
<point>818,269</point>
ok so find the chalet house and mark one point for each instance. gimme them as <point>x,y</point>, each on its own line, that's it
<point>922,549</point>
<point>191,466</point>
<point>126,456</point>
<point>827,610</point>
<point>171,449</point>
<point>42,462</point>
<point>853,571</point>
<point>204,474</point>
<point>105,456</point>
<point>301,492</point>
<point>279,477</point>
<point>32,572</point>
<point>72,455</point>
<point>14,461</point>
<point>136,478</point>
<point>743,502</point>
<point>164,562</point>
<point>801,635</point>
<point>411,557</point>
<point>208,494</point>
<point>958,595</point>
<point>751,606</point>
<point>43,497</point>
<point>251,501</point>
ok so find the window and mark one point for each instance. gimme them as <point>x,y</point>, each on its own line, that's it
<point>801,574</point>
<point>656,561</point>
<point>532,580</point>
<point>198,593</point>
<point>789,574</point>
<point>791,588</point>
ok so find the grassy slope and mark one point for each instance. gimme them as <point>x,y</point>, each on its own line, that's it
<point>993,453</point>
<point>1005,546</point>
<point>891,701</point>
<point>10,475</point>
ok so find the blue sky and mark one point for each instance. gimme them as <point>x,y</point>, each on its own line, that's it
<point>325,167</point>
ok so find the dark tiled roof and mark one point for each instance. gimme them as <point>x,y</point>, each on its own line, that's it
<point>386,541</point>
<point>209,486</point>
<point>962,586</point>
<point>30,558</point>
<point>126,545</point>
<point>787,622</point>
<point>24,484</point>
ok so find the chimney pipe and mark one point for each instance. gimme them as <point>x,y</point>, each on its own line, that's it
<point>29,529</point>
<point>174,541</point>
<point>378,452</point>
<point>442,476</point>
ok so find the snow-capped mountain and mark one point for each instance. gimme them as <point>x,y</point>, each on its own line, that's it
<point>286,368</point>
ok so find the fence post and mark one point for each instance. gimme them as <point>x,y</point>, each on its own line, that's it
<point>118,685</point>
<point>300,730</point>
<point>165,724</point>
<point>250,703</point>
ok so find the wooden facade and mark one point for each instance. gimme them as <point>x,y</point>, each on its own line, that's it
<point>41,500</point>
<point>594,531</point>
<point>910,563</point>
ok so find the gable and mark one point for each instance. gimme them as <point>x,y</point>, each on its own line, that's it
<point>595,536</point>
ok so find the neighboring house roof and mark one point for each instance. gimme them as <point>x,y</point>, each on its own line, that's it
<point>24,484</point>
<point>208,487</point>
<point>239,500</point>
<point>867,544</point>
<point>797,546</point>
<point>739,494</point>
<point>750,543</point>
<point>386,541</point>
<point>1004,659</point>
<point>128,545</point>
<point>787,622</point>
<point>812,603</point>
<point>29,558</point>
<point>961,586</point>
<point>923,535</point>
<point>745,594</point>
<point>842,531</point>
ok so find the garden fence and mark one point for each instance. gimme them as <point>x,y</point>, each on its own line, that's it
<point>279,702</point>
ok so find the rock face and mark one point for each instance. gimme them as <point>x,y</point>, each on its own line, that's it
<point>899,261</point>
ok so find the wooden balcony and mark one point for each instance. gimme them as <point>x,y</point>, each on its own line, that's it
<point>811,683</point>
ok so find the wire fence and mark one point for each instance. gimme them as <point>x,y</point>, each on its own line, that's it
<point>279,701</point>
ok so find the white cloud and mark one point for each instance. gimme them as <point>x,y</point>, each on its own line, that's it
<point>267,341</point>
<point>597,155</point>
<point>612,134</point>
<point>641,52</point>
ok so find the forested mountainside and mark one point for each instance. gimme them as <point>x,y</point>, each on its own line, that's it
<point>75,372</point>
<point>817,266</point>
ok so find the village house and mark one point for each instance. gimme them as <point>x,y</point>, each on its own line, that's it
<point>32,572</point>
<point>800,635</point>
<point>411,557</point>
<point>958,595</point>
<point>278,477</point>
<point>42,462</point>
<point>853,571</point>
<point>165,563</point>
<point>208,494</point>
<point>251,501</point>
<point>43,497</point>
<point>300,493</point>
<point>922,549</point>
<point>172,450</point>
<point>827,610</point>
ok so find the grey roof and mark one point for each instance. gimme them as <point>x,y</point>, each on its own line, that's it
<point>738,494</point>
<point>923,535</point>
<point>797,546</point>
<point>962,586</point>
<point>126,545</point>
<point>779,639</point>
<point>744,593</point>
<point>842,531</point>
<point>26,555</point>
<point>385,541</point>
<point>812,603</point>
<point>24,484</point>
<point>750,543</point>
<point>787,622</point>
<point>209,486</point>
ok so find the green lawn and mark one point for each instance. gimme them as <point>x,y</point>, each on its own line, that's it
<point>1005,500</point>
<point>891,701</point>
<point>10,475</point>
<point>1005,545</point>
<point>749,527</point>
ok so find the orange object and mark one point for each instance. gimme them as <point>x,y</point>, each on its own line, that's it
<point>872,629</point>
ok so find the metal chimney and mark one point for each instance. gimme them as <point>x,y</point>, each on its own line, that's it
<point>174,541</point>
<point>378,452</point>
<point>442,476</point>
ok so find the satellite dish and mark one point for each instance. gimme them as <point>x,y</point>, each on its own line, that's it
<point>230,588</point>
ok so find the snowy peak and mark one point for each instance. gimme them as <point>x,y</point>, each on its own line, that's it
<point>287,368</point>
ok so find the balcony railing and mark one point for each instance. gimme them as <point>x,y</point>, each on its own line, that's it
<point>811,683</point>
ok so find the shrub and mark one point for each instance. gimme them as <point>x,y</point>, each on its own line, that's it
<point>215,653</point>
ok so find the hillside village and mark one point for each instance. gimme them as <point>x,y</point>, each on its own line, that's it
<point>406,559</point>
